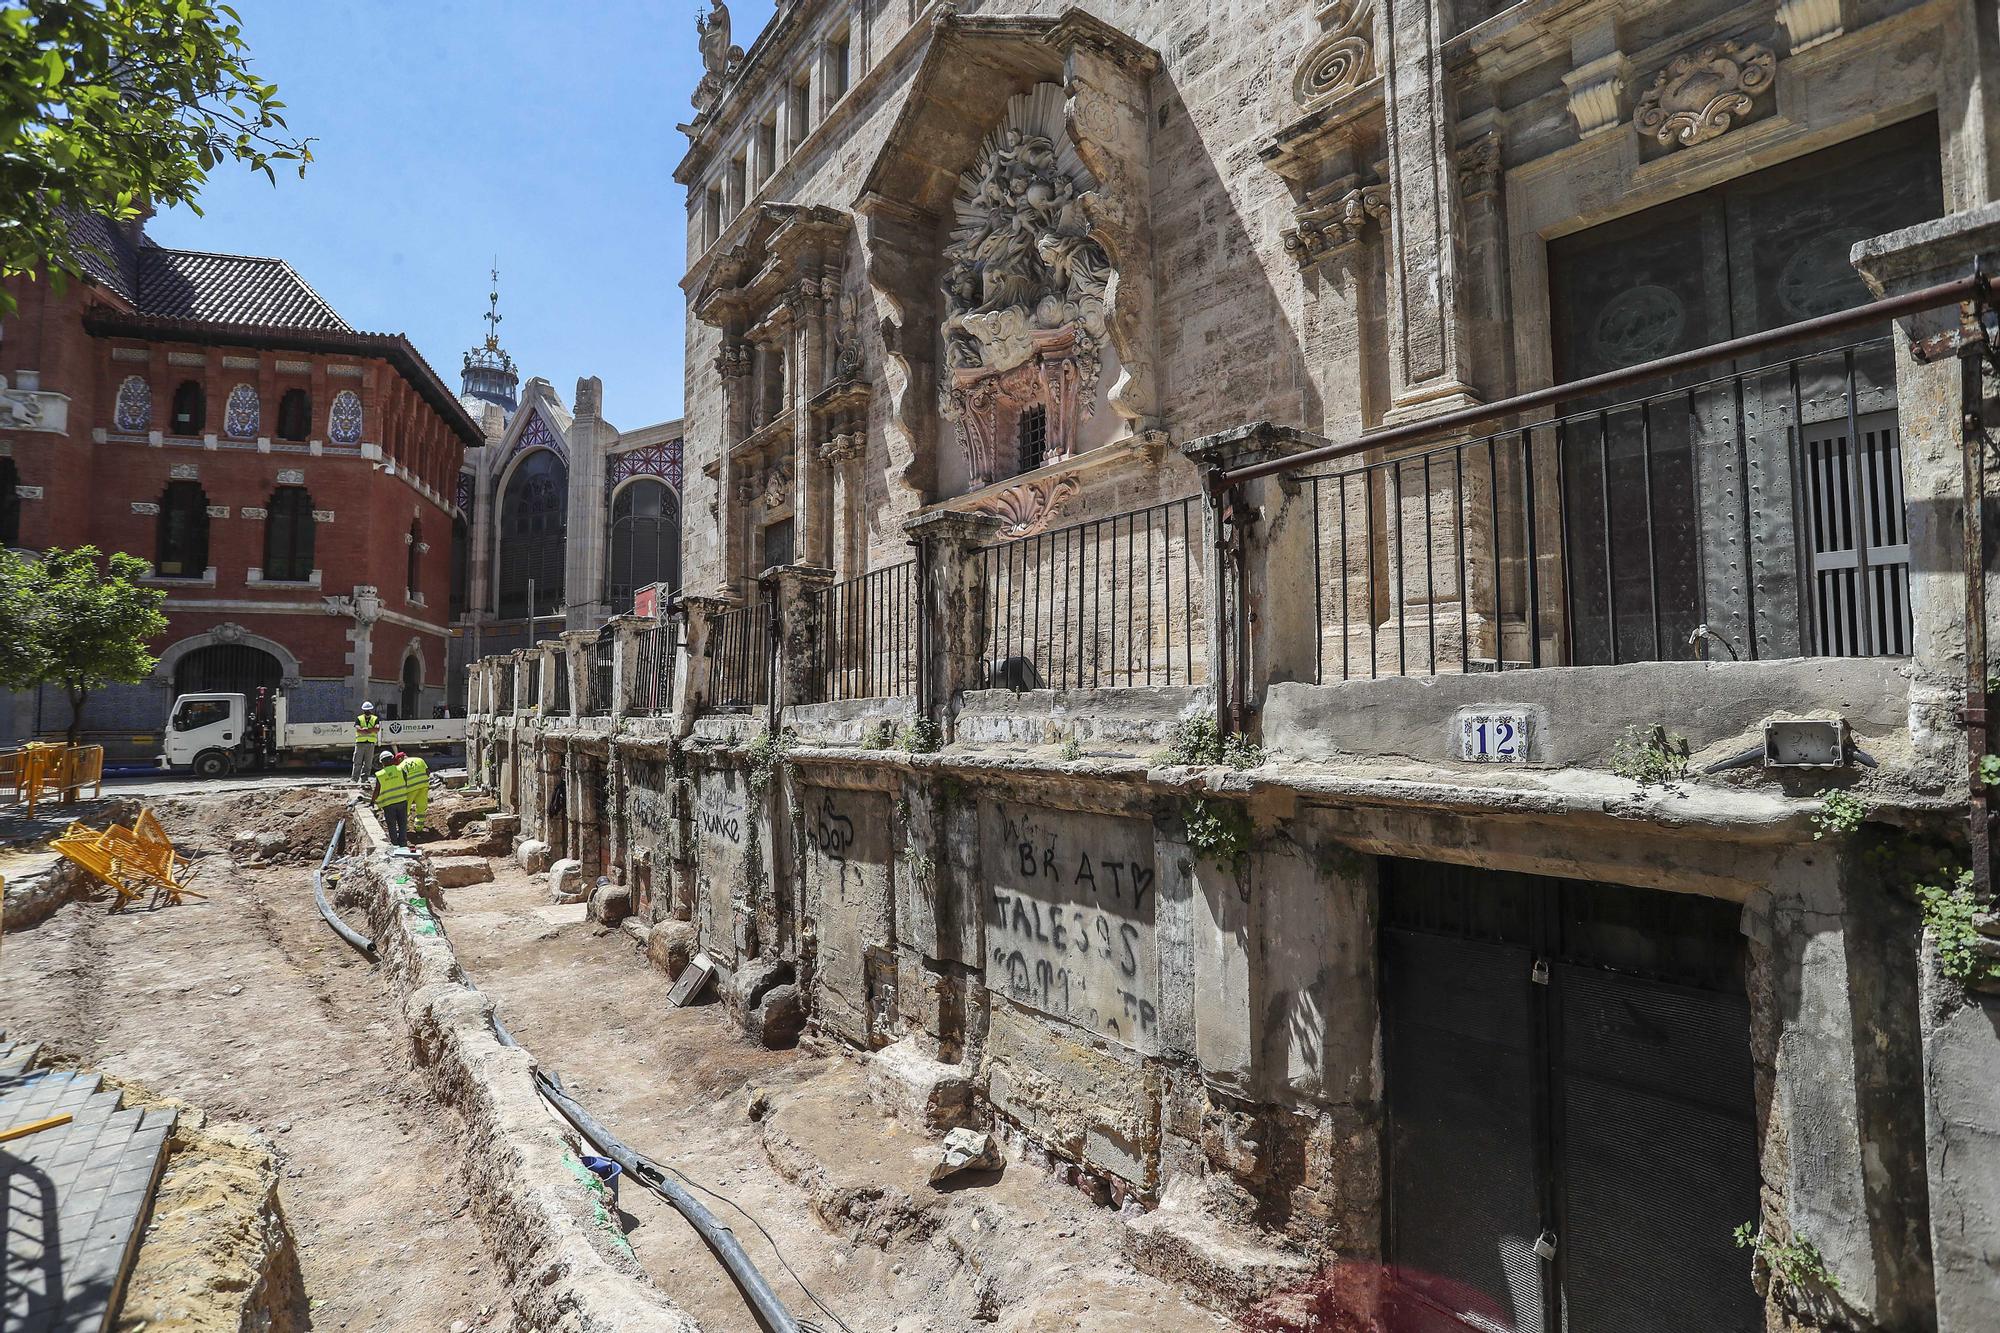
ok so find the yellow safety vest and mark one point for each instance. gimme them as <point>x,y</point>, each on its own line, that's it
<point>391,788</point>
<point>367,727</point>
<point>417,773</point>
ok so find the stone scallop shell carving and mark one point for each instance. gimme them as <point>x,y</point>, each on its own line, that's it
<point>1030,507</point>
<point>1699,95</point>
<point>1342,59</point>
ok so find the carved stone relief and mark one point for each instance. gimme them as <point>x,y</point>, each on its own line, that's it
<point>1344,56</point>
<point>1030,507</point>
<point>845,363</point>
<point>1700,94</point>
<point>719,58</point>
<point>1025,289</point>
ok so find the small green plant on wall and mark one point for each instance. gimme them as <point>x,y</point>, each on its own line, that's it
<point>1072,749</point>
<point>1219,830</point>
<point>1796,1262</point>
<point>1197,740</point>
<point>920,735</point>
<point>1649,755</point>
<point>1839,813</point>
<point>1951,911</point>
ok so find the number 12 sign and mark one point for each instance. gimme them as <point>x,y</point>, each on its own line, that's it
<point>1494,736</point>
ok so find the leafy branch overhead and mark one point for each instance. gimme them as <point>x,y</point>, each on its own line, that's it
<point>113,107</point>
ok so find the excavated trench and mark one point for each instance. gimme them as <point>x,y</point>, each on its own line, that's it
<point>426,1185</point>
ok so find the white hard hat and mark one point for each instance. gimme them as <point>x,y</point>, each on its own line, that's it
<point>386,757</point>
<point>368,708</point>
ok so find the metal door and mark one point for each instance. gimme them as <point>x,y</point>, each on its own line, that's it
<point>1571,1136</point>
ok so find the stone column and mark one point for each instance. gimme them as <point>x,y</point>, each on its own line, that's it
<point>625,631</point>
<point>575,658</point>
<point>841,456</point>
<point>732,363</point>
<point>951,617</point>
<point>1961,1053</point>
<point>1426,345</point>
<point>586,542</point>
<point>808,342</point>
<point>1280,571</point>
<point>692,692</point>
<point>796,602</point>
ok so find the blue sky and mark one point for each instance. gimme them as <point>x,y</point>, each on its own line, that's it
<point>451,131</point>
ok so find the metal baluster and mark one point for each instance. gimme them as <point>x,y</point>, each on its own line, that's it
<point>1430,573</point>
<point>1795,459</point>
<point>1743,511</point>
<point>1652,557</point>
<point>1604,496</point>
<point>1857,489</point>
<point>1528,514</point>
<point>1402,565</point>
<point>1458,521</point>
<point>1368,512</point>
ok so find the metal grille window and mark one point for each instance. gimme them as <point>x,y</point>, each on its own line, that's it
<point>645,541</point>
<point>653,686</point>
<point>289,533</point>
<point>1031,437</point>
<point>600,673</point>
<point>559,665</point>
<point>182,547</point>
<point>777,543</point>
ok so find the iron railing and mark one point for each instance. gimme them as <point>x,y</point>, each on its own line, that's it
<point>1755,514</point>
<point>658,649</point>
<point>866,647</point>
<point>1115,601</point>
<point>558,662</point>
<point>599,703</point>
<point>742,648</point>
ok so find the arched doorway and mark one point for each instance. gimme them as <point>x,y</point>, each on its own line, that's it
<point>227,668</point>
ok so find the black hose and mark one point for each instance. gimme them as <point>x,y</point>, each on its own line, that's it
<point>345,931</point>
<point>763,1302</point>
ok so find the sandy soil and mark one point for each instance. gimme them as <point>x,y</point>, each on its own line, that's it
<point>246,1004</point>
<point>1019,1252</point>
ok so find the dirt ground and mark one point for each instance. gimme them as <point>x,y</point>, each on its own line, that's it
<point>248,1006</point>
<point>889,1253</point>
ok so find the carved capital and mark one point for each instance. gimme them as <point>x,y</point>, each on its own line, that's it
<point>1341,221</point>
<point>1479,166</point>
<point>1700,94</point>
<point>1597,93</point>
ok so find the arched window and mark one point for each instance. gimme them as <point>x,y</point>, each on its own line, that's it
<point>10,503</point>
<point>227,668</point>
<point>288,535</point>
<point>343,423</point>
<point>413,575</point>
<point>243,414</point>
<point>133,412</point>
<point>190,409</point>
<point>413,685</point>
<point>183,531</point>
<point>645,541</point>
<point>532,527</point>
<point>295,414</point>
<point>461,565</point>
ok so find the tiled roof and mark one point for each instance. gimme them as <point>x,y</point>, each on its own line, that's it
<point>229,289</point>
<point>106,251</point>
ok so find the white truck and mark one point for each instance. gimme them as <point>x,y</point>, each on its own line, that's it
<point>215,734</point>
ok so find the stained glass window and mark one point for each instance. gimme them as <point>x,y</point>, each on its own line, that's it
<point>645,541</point>
<point>533,522</point>
<point>344,425</point>
<point>241,415</point>
<point>134,409</point>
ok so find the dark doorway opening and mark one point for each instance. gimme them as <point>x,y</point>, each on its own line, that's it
<point>227,668</point>
<point>413,687</point>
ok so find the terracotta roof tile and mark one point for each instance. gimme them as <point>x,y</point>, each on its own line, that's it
<point>230,289</point>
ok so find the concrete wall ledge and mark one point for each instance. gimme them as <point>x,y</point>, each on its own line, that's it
<point>565,1272</point>
<point>1138,719</point>
<point>1578,713</point>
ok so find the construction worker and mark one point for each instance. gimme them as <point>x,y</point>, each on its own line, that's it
<point>392,798</point>
<point>367,736</point>
<point>417,778</point>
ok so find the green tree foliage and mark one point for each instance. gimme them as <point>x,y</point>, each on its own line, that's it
<point>77,619</point>
<point>109,106</point>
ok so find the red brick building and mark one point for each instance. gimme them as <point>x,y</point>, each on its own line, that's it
<point>292,481</point>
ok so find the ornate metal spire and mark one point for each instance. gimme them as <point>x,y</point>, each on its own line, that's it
<point>489,372</point>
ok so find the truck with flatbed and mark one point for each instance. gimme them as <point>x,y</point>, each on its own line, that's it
<point>214,734</point>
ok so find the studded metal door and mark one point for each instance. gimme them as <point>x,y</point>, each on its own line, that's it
<point>1571,1131</point>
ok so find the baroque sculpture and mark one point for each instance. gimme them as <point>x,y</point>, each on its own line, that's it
<point>1699,95</point>
<point>719,58</point>
<point>1025,290</point>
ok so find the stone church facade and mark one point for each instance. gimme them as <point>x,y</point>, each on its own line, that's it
<point>1326,616</point>
<point>564,518</point>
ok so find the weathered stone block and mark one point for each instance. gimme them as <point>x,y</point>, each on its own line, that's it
<point>750,983</point>
<point>610,903</point>
<point>566,880</point>
<point>779,1017</point>
<point>456,820</point>
<point>534,855</point>
<point>1087,1103</point>
<point>454,872</point>
<point>925,1095</point>
<point>672,946</point>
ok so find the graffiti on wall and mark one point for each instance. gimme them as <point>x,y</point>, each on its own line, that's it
<point>1070,904</point>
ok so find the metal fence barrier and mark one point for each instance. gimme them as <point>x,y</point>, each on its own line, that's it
<point>867,642</point>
